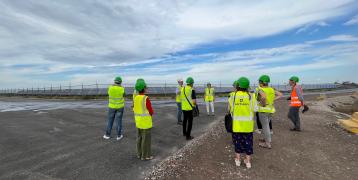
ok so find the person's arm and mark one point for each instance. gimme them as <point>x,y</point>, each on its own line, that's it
<point>262,98</point>
<point>193,97</point>
<point>278,95</point>
<point>177,91</point>
<point>149,106</point>
<point>299,93</point>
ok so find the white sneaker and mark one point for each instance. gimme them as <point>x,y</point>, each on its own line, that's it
<point>271,132</point>
<point>237,162</point>
<point>120,137</point>
<point>248,165</point>
<point>258,131</point>
<point>106,137</point>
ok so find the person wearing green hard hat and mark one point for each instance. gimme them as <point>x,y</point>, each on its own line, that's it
<point>116,93</point>
<point>231,96</point>
<point>143,113</point>
<point>266,97</point>
<point>188,105</point>
<point>296,101</point>
<point>209,97</point>
<point>135,92</point>
<point>244,107</point>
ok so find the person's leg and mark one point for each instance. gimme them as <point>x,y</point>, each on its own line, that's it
<point>297,118</point>
<point>259,125</point>
<point>139,143</point>
<point>111,115</point>
<point>118,118</point>
<point>185,113</point>
<point>180,112</point>
<point>248,148</point>
<point>265,128</point>
<point>271,123</point>
<point>207,107</point>
<point>190,124</point>
<point>212,107</point>
<point>147,138</point>
<point>291,116</point>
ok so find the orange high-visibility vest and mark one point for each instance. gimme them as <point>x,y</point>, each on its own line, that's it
<point>295,102</point>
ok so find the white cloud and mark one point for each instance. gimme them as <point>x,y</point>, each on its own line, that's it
<point>353,21</point>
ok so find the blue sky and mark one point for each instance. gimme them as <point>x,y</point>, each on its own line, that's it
<point>48,42</point>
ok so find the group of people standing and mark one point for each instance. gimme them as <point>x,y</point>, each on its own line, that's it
<point>243,106</point>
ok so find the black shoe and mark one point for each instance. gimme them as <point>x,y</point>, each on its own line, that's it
<point>293,129</point>
<point>180,123</point>
<point>189,138</point>
<point>184,134</point>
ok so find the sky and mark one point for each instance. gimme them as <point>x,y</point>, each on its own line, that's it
<point>87,41</point>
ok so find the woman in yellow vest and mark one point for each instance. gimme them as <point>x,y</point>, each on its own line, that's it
<point>143,119</point>
<point>244,105</point>
<point>178,101</point>
<point>135,92</point>
<point>115,108</point>
<point>209,98</point>
<point>188,102</point>
<point>266,96</point>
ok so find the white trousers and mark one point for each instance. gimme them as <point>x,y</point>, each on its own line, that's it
<point>208,106</point>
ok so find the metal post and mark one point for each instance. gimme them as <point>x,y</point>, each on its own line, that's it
<point>82,90</point>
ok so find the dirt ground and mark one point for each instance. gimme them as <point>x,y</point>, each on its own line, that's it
<point>322,150</point>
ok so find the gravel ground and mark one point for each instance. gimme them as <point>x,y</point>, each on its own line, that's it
<point>322,150</point>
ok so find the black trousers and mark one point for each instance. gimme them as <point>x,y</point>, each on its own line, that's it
<point>187,122</point>
<point>259,126</point>
<point>294,116</point>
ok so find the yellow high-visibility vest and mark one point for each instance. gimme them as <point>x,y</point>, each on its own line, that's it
<point>209,94</point>
<point>243,115</point>
<point>115,97</point>
<point>270,98</point>
<point>143,119</point>
<point>178,96</point>
<point>184,101</point>
<point>231,98</point>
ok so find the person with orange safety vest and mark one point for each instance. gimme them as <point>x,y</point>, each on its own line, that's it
<point>296,101</point>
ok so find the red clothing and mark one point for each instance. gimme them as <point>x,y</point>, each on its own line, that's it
<point>149,105</point>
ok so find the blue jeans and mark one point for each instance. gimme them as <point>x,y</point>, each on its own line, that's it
<point>180,112</point>
<point>114,114</point>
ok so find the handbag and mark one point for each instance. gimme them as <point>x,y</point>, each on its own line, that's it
<point>228,118</point>
<point>195,109</point>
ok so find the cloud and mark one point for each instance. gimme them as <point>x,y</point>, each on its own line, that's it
<point>353,21</point>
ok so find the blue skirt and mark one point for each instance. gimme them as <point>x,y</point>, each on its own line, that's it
<point>243,142</point>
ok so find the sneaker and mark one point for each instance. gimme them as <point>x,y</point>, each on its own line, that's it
<point>271,132</point>
<point>213,114</point>
<point>180,123</point>
<point>119,137</point>
<point>258,131</point>
<point>248,165</point>
<point>237,162</point>
<point>106,137</point>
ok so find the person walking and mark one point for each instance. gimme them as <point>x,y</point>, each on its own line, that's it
<point>115,108</point>
<point>188,103</point>
<point>244,107</point>
<point>178,101</point>
<point>143,113</point>
<point>296,101</point>
<point>266,96</point>
<point>209,98</point>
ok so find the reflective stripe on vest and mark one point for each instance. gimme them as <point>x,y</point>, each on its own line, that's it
<point>184,101</point>
<point>115,97</point>
<point>270,97</point>
<point>143,119</point>
<point>209,94</point>
<point>295,102</point>
<point>243,114</point>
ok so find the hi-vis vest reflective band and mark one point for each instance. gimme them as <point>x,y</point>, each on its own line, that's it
<point>243,116</point>
<point>143,120</point>
<point>177,97</point>
<point>295,102</point>
<point>115,99</point>
<point>209,94</point>
<point>135,93</point>
<point>184,102</point>
<point>270,97</point>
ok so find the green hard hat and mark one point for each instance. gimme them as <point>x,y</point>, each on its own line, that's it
<point>264,78</point>
<point>140,85</point>
<point>294,79</point>
<point>244,82</point>
<point>235,83</point>
<point>118,79</point>
<point>189,80</point>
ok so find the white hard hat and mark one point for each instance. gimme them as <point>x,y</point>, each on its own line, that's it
<point>180,80</point>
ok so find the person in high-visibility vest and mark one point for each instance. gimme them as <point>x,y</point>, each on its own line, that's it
<point>143,113</point>
<point>296,101</point>
<point>188,102</point>
<point>231,97</point>
<point>178,101</point>
<point>135,92</point>
<point>209,98</point>
<point>115,108</point>
<point>244,107</point>
<point>266,97</point>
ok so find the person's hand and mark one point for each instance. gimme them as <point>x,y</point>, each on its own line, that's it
<point>288,99</point>
<point>305,108</point>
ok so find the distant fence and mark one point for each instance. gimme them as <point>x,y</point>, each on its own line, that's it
<point>160,89</point>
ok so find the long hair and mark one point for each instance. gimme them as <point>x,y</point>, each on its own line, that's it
<point>244,90</point>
